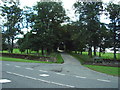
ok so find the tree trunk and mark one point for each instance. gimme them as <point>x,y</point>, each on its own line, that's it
<point>81,52</point>
<point>75,51</point>
<point>90,51</point>
<point>38,53</point>
<point>100,50</point>
<point>94,50</point>
<point>115,53</point>
<point>48,51</point>
<point>12,45</point>
<point>114,44</point>
<point>9,46</point>
<point>114,41</point>
<point>42,51</point>
<point>27,51</point>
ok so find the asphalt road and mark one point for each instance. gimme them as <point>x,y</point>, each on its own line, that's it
<point>71,74</point>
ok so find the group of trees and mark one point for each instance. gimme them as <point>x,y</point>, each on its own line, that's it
<point>47,31</point>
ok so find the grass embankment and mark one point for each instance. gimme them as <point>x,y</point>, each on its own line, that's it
<point>58,57</point>
<point>16,51</point>
<point>81,58</point>
<point>104,69</point>
<point>21,60</point>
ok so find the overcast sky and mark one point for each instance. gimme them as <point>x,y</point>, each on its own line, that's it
<point>67,4</point>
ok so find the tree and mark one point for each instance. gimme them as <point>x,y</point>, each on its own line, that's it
<point>89,15</point>
<point>13,15</point>
<point>47,23</point>
<point>114,15</point>
<point>4,44</point>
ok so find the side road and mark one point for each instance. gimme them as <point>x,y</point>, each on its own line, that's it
<point>73,66</point>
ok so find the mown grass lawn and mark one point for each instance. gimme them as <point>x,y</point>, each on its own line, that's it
<point>105,69</point>
<point>115,71</point>
<point>105,55</point>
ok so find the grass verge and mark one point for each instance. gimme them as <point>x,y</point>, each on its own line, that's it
<point>59,58</point>
<point>81,58</point>
<point>105,69</point>
<point>21,60</point>
<point>57,55</point>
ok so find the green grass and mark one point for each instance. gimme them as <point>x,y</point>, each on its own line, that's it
<point>58,57</point>
<point>17,51</point>
<point>21,60</point>
<point>104,56</point>
<point>81,58</point>
<point>105,69</point>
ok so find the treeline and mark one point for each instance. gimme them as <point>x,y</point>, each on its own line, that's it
<point>48,31</point>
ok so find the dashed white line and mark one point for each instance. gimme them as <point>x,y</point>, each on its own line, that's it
<point>43,71</point>
<point>9,72</point>
<point>63,84</point>
<point>70,86</point>
<point>41,80</point>
<point>60,73</point>
<point>44,81</point>
<point>80,77</point>
<point>8,64</point>
<point>17,66</point>
<point>30,77</point>
<point>58,83</point>
<point>103,80</point>
<point>29,68</point>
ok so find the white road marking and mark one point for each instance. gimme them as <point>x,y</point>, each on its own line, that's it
<point>44,81</point>
<point>17,66</point>
<point>8,64</point>
<point>41,80</point>
<point>70,86</point>
<point>30,77</point>
<point>60,73</point>
<point>29,68</point>
<point>80,77</point>
<point>44,75</point>
<point>9,72</point>
<point>43,71</point>
<point>58,83</point>
<point>4,80</point>
<point>63,84</point>
<point>103,80</point>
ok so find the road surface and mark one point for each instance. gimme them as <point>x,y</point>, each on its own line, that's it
<point>71,74</point>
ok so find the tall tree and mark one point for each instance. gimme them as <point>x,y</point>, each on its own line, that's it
<point>13,14</point>
<point>89,15</point>
<point>47,23</point>
<point>114,15</point>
